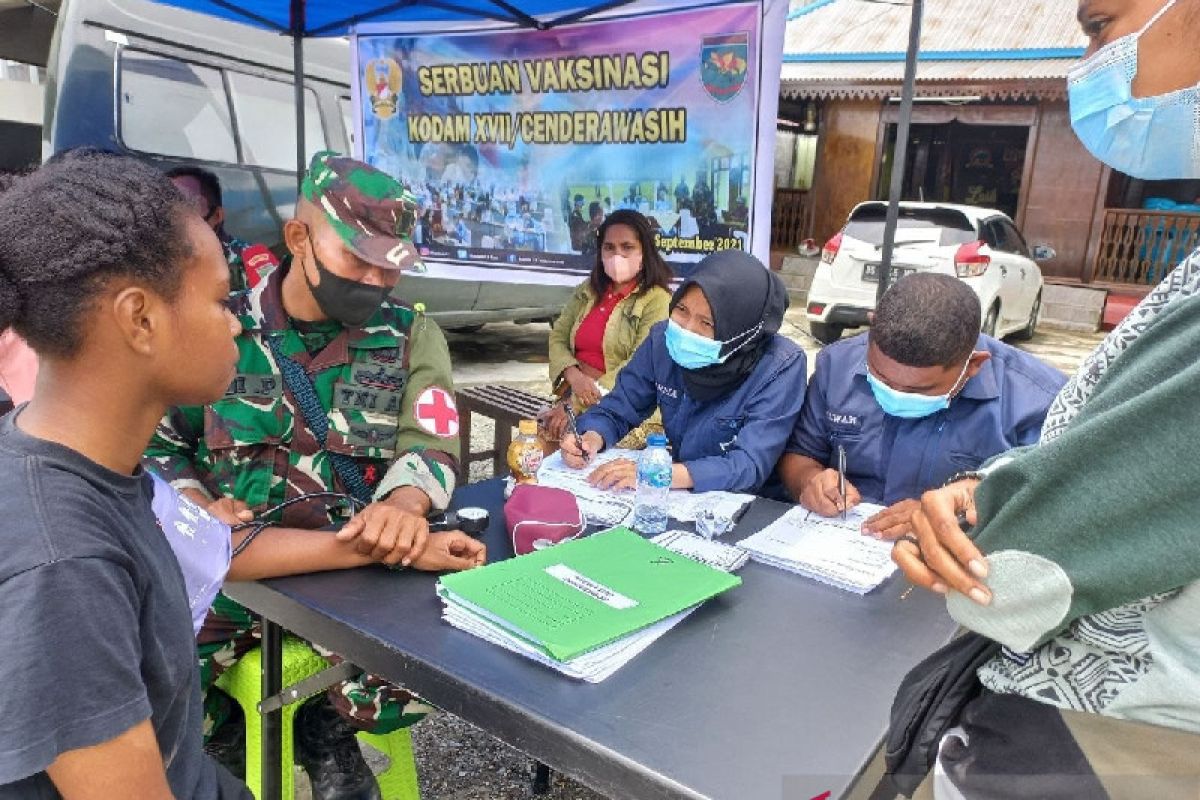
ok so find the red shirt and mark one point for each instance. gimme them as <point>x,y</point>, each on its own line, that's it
<point>589,338</point>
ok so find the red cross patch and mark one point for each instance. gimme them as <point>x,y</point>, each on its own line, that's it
<point>436,413</point>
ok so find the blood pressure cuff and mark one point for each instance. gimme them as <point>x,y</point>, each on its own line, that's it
<point>541,516</point>
<point>201,544</point>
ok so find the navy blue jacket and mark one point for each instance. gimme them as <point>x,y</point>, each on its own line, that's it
<point>889,459</point>
<point>731,443</point>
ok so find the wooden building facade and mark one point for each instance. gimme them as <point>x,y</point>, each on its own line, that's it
<point>990,128</point>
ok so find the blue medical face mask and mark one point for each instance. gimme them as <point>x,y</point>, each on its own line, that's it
<point>693,351</point>
<point>909,405</point>
<point>1152,138</point>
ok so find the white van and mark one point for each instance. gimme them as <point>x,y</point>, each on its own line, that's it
<point>178,88</point>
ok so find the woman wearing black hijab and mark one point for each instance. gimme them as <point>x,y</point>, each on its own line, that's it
<point>729,386</point>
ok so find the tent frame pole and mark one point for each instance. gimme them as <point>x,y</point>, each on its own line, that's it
<point>900,153</point>
<point>298,27</point>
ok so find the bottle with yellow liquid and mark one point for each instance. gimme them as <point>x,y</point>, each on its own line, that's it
<point>525,453</point>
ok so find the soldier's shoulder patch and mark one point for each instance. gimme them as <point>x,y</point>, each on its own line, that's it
<point>436,412</point>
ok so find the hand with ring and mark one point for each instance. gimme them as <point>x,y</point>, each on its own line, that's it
<point>938,555</point>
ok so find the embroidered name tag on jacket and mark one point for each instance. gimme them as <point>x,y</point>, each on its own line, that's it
<point>256,386</point>
<point>837,420</point>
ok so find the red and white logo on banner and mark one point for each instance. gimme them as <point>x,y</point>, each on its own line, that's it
<point>436,413</point>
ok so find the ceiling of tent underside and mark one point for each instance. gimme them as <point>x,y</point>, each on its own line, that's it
<point>336,17</point>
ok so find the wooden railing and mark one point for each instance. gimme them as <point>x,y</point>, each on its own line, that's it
<point>1140,247</point>
<point>791,218</point>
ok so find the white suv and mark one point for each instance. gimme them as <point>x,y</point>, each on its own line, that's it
<point>979,245</point>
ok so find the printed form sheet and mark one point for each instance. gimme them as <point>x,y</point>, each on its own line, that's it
<point>602,507</point>
<point>828,549</point>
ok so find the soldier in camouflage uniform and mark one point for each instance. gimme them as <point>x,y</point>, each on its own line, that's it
<point>381,372</point>
<point>248,263</point>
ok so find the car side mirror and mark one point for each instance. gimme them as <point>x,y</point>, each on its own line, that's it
<point>1044,252</point>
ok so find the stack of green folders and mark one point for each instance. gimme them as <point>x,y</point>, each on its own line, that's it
<point>584,607</point>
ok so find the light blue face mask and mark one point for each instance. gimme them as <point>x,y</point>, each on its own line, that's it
<point>909,405</point>
<point>1152,138</point>
<point>693,351</point>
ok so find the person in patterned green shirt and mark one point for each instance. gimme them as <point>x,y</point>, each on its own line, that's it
<point>248,263</point>
<point>384,428</point>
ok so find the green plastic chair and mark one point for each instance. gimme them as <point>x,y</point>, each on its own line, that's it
<point>243,682</point>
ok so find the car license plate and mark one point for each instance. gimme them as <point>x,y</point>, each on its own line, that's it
<point>871,272</point>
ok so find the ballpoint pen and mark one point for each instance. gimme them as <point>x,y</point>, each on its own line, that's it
<point>574,426</point>
<point>841,462</point>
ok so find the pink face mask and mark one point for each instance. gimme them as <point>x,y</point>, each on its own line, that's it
<point>621,269</point>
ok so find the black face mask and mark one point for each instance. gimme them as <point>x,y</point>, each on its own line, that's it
<point>349,302</point>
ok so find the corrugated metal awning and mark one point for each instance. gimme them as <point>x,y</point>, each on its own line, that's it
<point>1035,78</point>
<point>837,27</point>
<point>999,49</point>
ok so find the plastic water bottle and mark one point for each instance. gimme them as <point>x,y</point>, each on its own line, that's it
<point>653,484</point>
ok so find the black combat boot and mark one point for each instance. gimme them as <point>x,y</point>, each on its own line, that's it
<point>328,751</point>
<point>227,745</point>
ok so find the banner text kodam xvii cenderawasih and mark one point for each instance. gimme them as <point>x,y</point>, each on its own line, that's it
<point>519,143</point>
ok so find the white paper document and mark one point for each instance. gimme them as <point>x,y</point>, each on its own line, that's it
<point>592,666</point>
<point>826,549</point>
<point>604,507</point>
<point>684,504</point>
<point>599,507</point>
<point>720,556</point>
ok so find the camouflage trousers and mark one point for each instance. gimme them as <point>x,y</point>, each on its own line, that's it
<point>230,631</point>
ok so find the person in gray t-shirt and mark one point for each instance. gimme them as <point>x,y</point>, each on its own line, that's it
<point>118,285</point>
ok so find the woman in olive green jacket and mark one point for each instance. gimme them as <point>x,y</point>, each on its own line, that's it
<point>606,319</point>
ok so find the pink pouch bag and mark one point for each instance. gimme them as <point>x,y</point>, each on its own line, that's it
<point>541,516</point>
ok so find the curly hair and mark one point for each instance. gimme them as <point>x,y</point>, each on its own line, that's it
<point>81,220</point>
<point>927,320</point>
<point>210,184</point>
<point>655,271</point>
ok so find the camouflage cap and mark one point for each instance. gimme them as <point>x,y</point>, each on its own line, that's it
<point>372,211</point>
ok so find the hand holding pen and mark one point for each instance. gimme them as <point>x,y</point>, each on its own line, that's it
<point>829,492</point>
<point>577,449</point>
<point>573,429</point>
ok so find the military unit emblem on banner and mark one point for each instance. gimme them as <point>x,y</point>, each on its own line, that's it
<point>381,80</point>
<point>724,59</point>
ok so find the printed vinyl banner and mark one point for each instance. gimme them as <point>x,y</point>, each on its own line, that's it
<point>518,143</point>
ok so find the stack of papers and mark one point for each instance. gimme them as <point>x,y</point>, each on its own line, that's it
<point>724,557</point>
<point>586,607</point>
<point>830,550</point>
<point>602,507</point>
<point>599,507</point>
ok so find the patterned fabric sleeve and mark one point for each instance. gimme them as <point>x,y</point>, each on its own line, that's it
<point>1103,514</point>
<point>1105,658</point>
<point>172,450</point>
